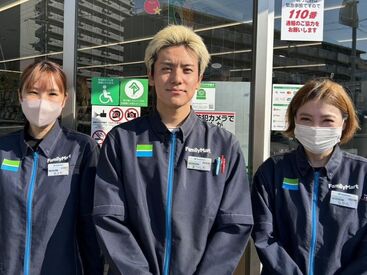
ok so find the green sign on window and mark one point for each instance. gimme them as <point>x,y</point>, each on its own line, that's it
<point>105,91</point>
<point>134,92</point>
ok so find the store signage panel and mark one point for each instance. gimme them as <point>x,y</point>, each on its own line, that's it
<point>204,98</point>
<point>302,20</point>
<point>104,118</point>
<point>226,120</point>
<point>282,96</point>
<point>134,92</point>
<point>105,91</point>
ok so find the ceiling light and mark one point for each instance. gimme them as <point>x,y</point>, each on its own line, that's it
<point>216,65</point>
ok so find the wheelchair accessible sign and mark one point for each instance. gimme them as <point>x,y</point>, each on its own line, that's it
<point>105,91</point>
<point>117,92</point>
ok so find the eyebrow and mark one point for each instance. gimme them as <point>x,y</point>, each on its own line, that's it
<point>48,90</point>
<point>304,114</point>
<point>170,63</point>
<point>323,116</point>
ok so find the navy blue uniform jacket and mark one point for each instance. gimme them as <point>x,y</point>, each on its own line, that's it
<point>154,215</point>
<point>299,227</point>
<point>46,200</point>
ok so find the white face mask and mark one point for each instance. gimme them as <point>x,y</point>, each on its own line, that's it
<point>317,139</point>
<point>41,112</point>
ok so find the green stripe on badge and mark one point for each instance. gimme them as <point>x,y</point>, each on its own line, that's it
<point>13,163</point>
<point>291,181</point>
<point>144,150</point>
<point>144,147</point>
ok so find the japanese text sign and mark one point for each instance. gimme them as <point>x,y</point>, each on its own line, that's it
<point>226,120</point>
<point>302,20</point>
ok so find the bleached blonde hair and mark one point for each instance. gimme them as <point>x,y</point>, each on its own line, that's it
<point>176,35</point>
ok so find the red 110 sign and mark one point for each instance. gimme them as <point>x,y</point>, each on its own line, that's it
<point>302,20</point>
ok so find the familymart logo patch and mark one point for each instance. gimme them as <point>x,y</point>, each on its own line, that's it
<point>10,165</point>
<point>290,184</point>
<point>144,150</point>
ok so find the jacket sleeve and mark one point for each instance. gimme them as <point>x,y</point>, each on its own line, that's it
<point>89,250</point>
<point>359,263</point>
<point>273,256</point>
<point>118,243</point>
<point>233,223</point>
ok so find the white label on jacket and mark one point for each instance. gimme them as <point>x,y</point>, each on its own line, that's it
<point>58,169</point>
<point>199,163</point>
<point>344,199</point>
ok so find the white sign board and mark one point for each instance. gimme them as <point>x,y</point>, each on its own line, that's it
<point>104,118</point>
<point>204,98</point>
<point>302,20</point>
<point>282,96</point>
<point>226,120</point>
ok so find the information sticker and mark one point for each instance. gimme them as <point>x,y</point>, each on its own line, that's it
<point>199,163</point>
<point>58,169</point>
<point>344,199</point>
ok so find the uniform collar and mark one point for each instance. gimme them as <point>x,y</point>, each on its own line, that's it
<point>302,161</point>
<point>23,144</point>
<point>46,145</point>
<point>189,123</point>
<point>334,162</point>
<point>331,167</point>
<point>183,131</point>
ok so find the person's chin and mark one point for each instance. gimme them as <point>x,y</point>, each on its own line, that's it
<point>45,126</point>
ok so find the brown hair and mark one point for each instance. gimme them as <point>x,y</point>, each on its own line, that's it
<point>329,92</point>
<point>33,73</point>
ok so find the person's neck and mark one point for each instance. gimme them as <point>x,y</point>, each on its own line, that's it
<point>173,118</point>
<point>39,132</point>
<point>319,160</point>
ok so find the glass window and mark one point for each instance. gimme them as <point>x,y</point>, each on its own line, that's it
<point>30,30</point>
<point>341,56</point>
<point>112,37</point>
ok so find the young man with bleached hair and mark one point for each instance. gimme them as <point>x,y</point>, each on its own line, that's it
<point>172,195</point>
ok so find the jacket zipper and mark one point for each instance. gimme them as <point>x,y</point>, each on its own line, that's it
<point>314,218</point>
<point>28,239</point>
<point>168,239</point>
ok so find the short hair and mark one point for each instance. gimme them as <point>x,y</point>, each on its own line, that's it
<point>34,72</point>
<point>331,93</point>
<point>176,35</point>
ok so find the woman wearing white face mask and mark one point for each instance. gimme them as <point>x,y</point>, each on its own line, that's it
<point>46,185</point>
<point>310,205</point>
